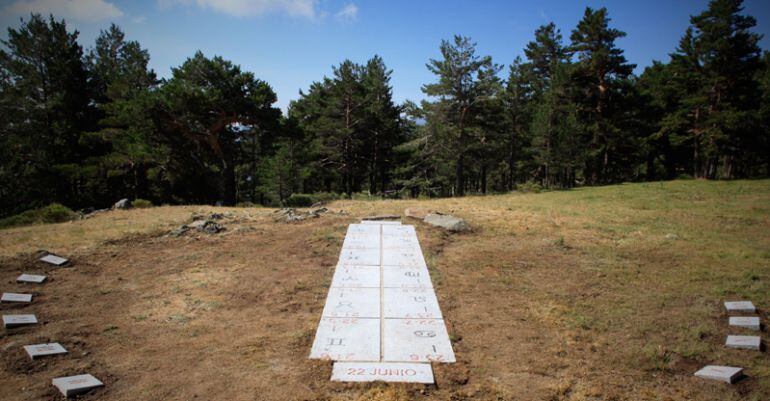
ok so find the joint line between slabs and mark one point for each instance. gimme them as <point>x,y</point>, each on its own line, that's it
<point>382,303</point>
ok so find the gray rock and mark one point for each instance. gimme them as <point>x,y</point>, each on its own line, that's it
<point>179,231</point>
<point>124,203</point>
<point>447,222</point>
<point>672,237</point>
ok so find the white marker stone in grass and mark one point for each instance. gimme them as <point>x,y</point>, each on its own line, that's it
<point>740,306</point>
<point>748,322</point>
<point>30,278</point>
<point>726,374</point>
<point>74,385</point>
<point>14,297</point>
<point>18,320</point>
<point>54,260</point>
<point>744,342</point>
<point>38,350</point>
<point>382,371</point>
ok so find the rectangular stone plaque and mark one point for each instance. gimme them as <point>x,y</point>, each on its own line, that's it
<point>14,297</point>
<point>54,260</point>
<point>74,385</point>
<point>346,339</point>
<point>360,257</point>
<point>361,241</point>
<point>352,302</point>
<point>416,340</point>
<point>403,257</point>
<point>410,304</point>
<point>399,277</point>
<point>382,371</point>
<point>18,320</point>
<point>356,277</point>
<point>744,342</point>
<point>410,243</point>
<point>399,231</point>
<point>30,278</point>
<point>740,306</point>
<point>363,229</point>
<point>748,322</point>
<point>726,374</point>
<point>38,350</point>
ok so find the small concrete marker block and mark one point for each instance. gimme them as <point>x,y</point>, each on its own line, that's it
<point>30,278</point>
<point>356,277</point>
<point>740,306</point>
<point>359,257</point>
<point>410,304</point>
<point>416,340</point>
<point>382,371</point>
<point>744,342</point>
<point>74,385</point>
<point>726,374</point>
<point>38,350</point>
<point>14,297</point>
<point>54,260</point>
<point>18,320</point>
<point>416,277</point>
<point>748,322</point>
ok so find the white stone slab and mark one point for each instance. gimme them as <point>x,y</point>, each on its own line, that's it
<point>30,278</point>
<point>416,340</point>
<point>744,342</point>
<point>399,231</point>
<point>359,257</point>
<point>352,302</point>
<point>381,222</point>
<point>14,297</point>
<point>363,229</point>
<point>403,257</point>
<point>406,277</point>
<point>740,306</point>
<point>726,374</point>
<point>39,350</point>
<point>392,372</point>
<point>54,260</point>
<point>395,242</point>
<point>361,241</point>
<point>18,320</point>
<point>343,339</point>
<point>356,277</point>
<point>410,303</point>
<point>748,322</point>
<point>74,385</point>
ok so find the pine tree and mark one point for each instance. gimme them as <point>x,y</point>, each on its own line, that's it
<point>599,76</point>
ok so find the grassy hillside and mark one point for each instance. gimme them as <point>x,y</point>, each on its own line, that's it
<point>596,293</point>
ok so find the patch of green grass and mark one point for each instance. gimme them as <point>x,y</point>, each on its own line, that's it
<point>53,213</point>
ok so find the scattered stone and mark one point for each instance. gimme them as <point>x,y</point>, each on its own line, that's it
<point>748,322</point>
<point>30,278</point>
<point>216,216</point>
<point>290,215</point>
<point>206,226</point>
<point>54,260</point>
<point>417,213</point>
<point>383,217</point>
<point>672,237</point>
<point>18,320</point>
<point>74,385</point>
<point>14,297</point>
<point>211,227</point>
<point>179,231</point>
<point>94,213</point>
<point>744,342</point>
<point>447,222</point>
<point>197,224</point>
<point>726,374</point>
<point>38,350</point>
<point>740,306</point>
<point>122,204</point>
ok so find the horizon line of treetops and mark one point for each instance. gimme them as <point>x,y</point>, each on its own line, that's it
<point>84,128</point>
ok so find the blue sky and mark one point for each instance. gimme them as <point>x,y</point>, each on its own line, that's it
<point>291,43</point>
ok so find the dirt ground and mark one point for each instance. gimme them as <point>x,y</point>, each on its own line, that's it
<point>601,294</point>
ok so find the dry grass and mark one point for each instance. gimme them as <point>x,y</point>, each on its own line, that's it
<point>609,293</point>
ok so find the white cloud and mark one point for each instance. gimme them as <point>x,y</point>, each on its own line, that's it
<point>348,13</point>
<point>250,8</point>
<point>83,10</point>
